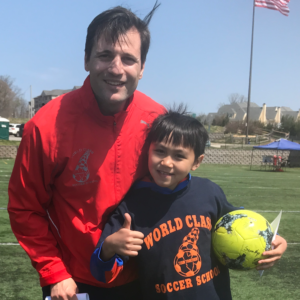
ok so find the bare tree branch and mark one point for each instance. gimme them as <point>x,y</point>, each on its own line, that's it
<point>12,103</point>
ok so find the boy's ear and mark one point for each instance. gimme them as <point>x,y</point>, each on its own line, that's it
<point>197,162</point>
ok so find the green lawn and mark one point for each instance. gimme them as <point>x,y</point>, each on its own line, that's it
<point>265,192</point>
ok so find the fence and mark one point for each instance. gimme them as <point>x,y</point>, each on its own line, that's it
<point>243,157</point>
<point>212,156</point>
<point>234,141</point>
<point>8,151</point>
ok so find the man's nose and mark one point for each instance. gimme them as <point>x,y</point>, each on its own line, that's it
<point>116,66</point>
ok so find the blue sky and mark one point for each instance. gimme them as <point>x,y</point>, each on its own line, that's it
<point>199,53</point>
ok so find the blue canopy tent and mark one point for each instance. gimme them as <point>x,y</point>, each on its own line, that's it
<point>279,145</point>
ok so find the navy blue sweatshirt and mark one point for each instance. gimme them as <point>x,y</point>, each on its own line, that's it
<point>176,260</point>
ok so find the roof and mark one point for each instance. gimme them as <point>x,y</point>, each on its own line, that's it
<point>284,108</point>
<point>254,113</point>
<point>245,104</point>
<point>55,92</point>
<point>240,110</point>
<point>3,120</point>
<point>294,114</point>
<point>280,144</point>
<point>271,112</point>
<point>226,109</point>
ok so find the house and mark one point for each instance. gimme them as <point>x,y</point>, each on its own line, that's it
<point>263,114</point>
<point>286,111</point>
<point>45,97</point>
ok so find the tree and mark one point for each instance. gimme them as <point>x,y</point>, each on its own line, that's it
<point>255,127</point>
<point>236,98</point>
<point>233,98</point>
<point>220,120</point>
<point>12,103</point>
<point>201,118</point>
<point>288,124</point>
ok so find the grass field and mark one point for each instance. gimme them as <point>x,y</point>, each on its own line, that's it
<point>264,192</point>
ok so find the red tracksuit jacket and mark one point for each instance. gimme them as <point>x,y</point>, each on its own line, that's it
<point>73,167</point>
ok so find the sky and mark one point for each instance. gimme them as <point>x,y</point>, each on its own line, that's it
<point>199,52</point>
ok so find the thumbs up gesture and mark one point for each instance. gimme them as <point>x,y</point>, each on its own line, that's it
<point>123,242</point>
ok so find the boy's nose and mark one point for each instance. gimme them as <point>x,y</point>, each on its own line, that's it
<point>167,161</point>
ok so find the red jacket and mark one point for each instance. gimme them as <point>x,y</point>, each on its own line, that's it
<point>73,167</point>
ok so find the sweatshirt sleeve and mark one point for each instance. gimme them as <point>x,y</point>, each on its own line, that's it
<point>107,271</point>
<point>29,196</point>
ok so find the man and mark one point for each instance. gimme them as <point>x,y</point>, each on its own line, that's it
<point>78,158</point>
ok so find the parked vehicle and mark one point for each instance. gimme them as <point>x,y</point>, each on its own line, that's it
<point>20,133</point>
<point>208,144</point>
<point>14,129</point>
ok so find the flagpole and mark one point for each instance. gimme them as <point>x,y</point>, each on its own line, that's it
<point>250,75</point>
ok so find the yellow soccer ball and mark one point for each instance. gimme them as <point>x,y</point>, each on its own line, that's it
<point>240,237</point>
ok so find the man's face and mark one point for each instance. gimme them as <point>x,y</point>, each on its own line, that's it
<point>169,164</point>
<point>115,70</point>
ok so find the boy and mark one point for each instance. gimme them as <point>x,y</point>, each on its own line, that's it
<point>168,220</point>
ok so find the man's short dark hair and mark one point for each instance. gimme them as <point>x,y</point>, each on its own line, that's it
<point>180,129</point>
<point>114,23</point>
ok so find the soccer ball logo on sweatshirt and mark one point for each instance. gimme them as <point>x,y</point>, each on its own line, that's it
<point>82,173</point>
<point>187,261</point>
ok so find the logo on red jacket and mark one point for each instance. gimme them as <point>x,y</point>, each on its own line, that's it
<point>82,173</point>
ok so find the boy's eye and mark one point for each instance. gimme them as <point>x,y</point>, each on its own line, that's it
<point>180,156</point>
<point>159,150</point>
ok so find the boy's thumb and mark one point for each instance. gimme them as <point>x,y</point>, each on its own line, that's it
<point>127,221</point>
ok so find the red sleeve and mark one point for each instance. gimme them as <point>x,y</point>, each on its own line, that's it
<point>29,195</point>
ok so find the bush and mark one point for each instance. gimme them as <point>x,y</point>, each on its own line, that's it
<point>220,120</point>
<point>239,127</point>
<point>288,124</point>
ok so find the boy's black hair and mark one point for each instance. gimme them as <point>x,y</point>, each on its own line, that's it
<point>114,23</point>
<point>179,128</point>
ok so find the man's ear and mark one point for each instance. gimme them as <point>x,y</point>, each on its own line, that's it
<point>142,71</point>
<point>197,162</point>
<point>86,63</point>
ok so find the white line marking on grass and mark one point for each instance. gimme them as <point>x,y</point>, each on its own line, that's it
<point>17,244</point>
<point>275,211</point>
<point>3,208</point>
<point>262,187</point>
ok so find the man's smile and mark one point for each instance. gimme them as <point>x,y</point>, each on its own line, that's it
<point>114,82</point>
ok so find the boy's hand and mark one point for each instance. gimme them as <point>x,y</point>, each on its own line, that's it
<point>275,254</point>
<point>123,242</point>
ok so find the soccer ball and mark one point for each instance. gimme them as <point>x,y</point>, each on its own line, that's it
<point>240,237</point>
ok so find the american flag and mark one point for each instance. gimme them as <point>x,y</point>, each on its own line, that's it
<point>280,5</point>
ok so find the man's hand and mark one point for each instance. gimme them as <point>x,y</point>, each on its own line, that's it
<point>275,254</point>
<point>64,290</point>
<point>123,242</point>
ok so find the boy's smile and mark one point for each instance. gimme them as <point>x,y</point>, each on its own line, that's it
<point>169,164</point>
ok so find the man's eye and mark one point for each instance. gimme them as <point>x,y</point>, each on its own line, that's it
<point>104,57</point>
<point>128,60</point>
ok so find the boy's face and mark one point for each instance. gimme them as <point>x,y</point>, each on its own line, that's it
<point>169,164</point>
